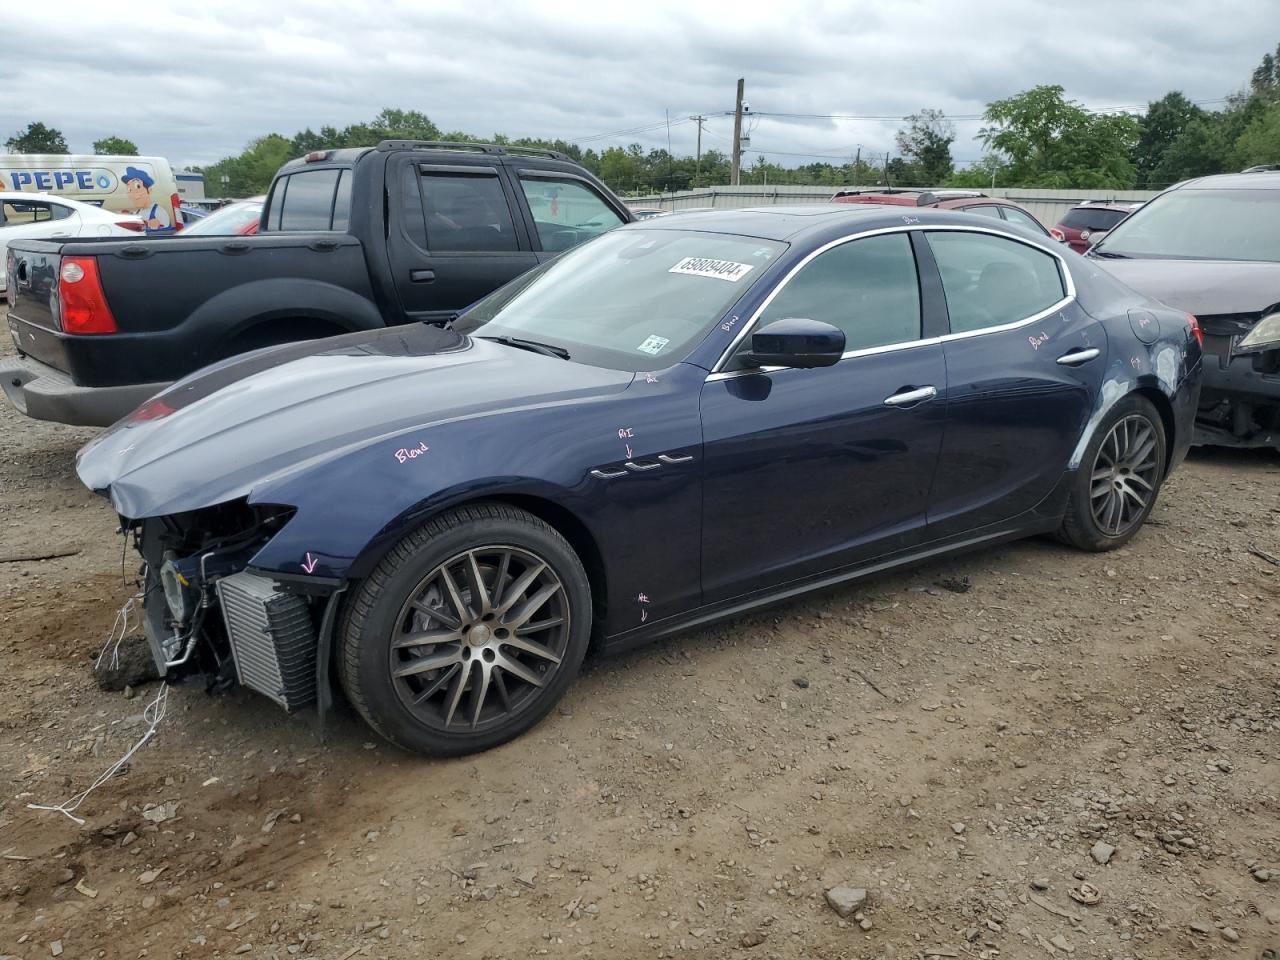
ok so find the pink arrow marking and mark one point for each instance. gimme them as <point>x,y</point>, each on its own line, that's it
<point>310,565</point>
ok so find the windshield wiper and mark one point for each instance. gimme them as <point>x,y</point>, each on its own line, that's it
<point>546,349</point>
<point>1107,254</point>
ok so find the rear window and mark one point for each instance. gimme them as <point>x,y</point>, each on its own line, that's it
<point>311,200</point>
<point>1092,218</point>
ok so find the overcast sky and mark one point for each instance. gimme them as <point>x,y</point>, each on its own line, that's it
<point>195,81</point>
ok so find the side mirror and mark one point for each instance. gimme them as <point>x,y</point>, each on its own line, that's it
<point>796,342</point>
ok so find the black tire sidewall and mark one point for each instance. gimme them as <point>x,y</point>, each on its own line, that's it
<point>378,700</point>
<point>1080,526</point>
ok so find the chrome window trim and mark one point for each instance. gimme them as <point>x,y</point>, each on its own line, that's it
<point>1064,274</point>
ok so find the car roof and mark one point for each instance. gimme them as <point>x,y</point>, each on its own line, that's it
<point>1261,180</point>
<point>1127,206</point>
<point>791,223</point>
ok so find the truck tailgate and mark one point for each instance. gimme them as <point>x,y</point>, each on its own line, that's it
<point>33,285</point>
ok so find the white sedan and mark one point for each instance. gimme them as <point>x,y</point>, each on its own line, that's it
<point>40,216</point>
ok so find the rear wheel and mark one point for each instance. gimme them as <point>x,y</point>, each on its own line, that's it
<point>1119,478</point>
<point>468,632</point>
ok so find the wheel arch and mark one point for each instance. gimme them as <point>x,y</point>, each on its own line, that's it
<point>555,514</point>
<point>1165,408</point>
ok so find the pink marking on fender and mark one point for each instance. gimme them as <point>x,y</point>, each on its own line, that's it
<point>650,378</point>
<point>405,454</point>
<point>1037,341</point>
<point>628,446</point>
<point>310,565</point>
<point>624,432</point>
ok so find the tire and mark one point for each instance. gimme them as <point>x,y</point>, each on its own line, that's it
<point>1124,463</point>
<point>441,667</point>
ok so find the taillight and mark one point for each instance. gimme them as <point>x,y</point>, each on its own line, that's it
<point>84,306</point>
<point>1196,331</point>
<point>1057,235</point>
<point>154,409</point>
<point>137,226</point>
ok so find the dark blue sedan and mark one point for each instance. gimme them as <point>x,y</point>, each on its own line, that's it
<point>677,422</point>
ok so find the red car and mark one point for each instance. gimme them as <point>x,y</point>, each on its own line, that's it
<point>970,201</point>
<point>1086,224</point>
<point>239,218</point>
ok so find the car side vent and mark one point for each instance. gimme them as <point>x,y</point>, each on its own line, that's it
<point>273,640</point>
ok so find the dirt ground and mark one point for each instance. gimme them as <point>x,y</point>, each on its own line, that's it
<point>961,756</point>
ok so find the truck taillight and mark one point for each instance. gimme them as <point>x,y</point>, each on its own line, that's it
<point>1196,330</point>
<point>84,305</point>
<point>1057,235</point>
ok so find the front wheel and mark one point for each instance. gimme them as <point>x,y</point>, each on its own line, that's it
<point>468,632</point>
<point>1118,479</point>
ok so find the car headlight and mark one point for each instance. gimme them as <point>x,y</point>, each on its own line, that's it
<point>178,592</point>
<point>1265,335</point>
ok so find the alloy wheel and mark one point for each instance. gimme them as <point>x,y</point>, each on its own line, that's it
<point>479,638</point>
<point>1124,475</point>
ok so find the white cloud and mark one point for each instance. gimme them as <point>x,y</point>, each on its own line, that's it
<point>195,84</point>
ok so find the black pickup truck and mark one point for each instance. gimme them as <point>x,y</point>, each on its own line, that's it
<point>349,240</point>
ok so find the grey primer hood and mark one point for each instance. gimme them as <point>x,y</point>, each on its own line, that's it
<point>240,426</point>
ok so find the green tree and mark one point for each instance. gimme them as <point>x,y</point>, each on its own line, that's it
<point>1050,141</point>
<point>925,145</point>
<point>115,146</point>
<point>1202,148</point>
<point>1164,122</point>
<point>250,172</point>
<point>1265,82</point>
<point>37,138</point>
<point>1260,141</point>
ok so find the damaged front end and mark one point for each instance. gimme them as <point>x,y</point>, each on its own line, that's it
<point>207,611</point>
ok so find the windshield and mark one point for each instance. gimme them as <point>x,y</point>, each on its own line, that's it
<point>631,299</point>
<point>229,220</point>
<point>1201,225</point>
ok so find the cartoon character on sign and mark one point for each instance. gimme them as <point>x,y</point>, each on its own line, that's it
<point>156,216</point>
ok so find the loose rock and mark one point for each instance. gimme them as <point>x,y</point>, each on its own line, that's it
<point>846,900</point>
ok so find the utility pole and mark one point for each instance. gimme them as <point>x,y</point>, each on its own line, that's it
<point>697,163</point>
<point>857,165</point>
<point>737,136</point>
<point>887,181</point>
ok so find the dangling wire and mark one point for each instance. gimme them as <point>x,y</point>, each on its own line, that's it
<point>120,624</point>
<point>153,714</point>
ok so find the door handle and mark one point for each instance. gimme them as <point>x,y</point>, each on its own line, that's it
<point>907,398</point>
<point>1077,357</point>
<point>422,276</point>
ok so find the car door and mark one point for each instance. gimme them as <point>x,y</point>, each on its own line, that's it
<point>1024,364</point>
<point>564,210</point>
<point>452,237</point>
<point>810,470</point>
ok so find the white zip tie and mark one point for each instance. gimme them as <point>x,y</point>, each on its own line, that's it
<point>153,714</point>
<point>121,622</point>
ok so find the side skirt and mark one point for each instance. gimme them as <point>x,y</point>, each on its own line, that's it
<point>1037,521</point>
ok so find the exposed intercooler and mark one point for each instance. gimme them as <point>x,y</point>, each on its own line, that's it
<point>273,640</point>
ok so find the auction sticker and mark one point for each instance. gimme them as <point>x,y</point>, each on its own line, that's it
<point>653,344</point>
<point>716,269</point>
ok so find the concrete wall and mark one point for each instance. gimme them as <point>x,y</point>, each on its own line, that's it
<point>1047,206</point>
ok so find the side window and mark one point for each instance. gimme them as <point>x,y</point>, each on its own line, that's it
<point>868,288</point>
<point>990,281</point>
<point>985,209</point>
<point>308,203</point>
<point>1014,215</point>
<point>59,212</point>
<point>566,211</point>
<point>466,213</point>
<point>409,210</point>
<point>20,212</point>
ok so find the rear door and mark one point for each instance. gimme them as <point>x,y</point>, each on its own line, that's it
<point>453,235</point>
<point>1024,364</point>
